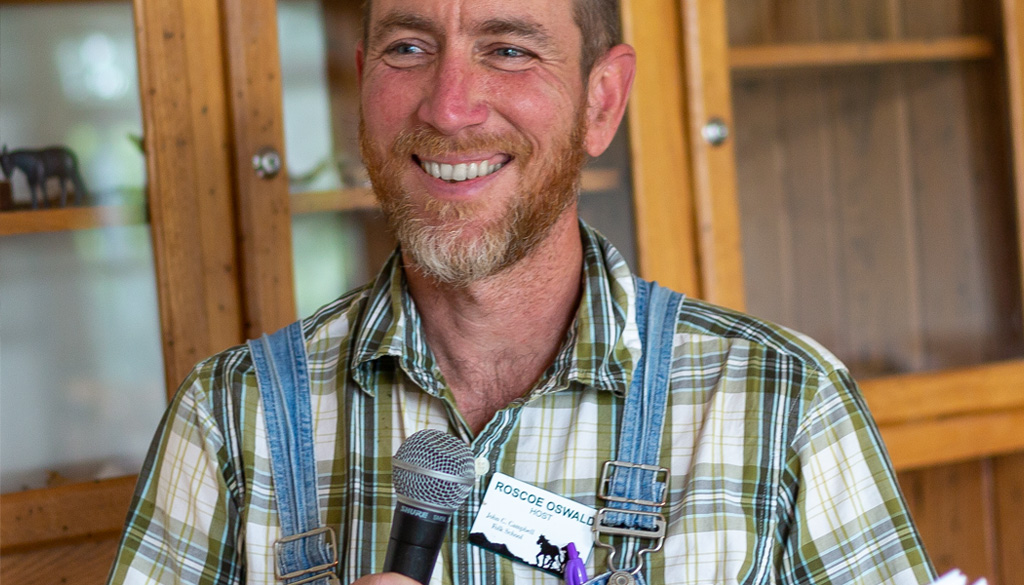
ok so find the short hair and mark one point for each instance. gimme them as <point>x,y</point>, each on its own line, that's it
<point>598,21</point>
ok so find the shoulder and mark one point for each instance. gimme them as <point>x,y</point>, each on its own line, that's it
<point>703,319</point>
<point>809,386</point>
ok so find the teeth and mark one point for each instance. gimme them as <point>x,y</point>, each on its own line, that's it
<point>459,172</point>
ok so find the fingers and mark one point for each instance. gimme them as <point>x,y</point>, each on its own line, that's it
<point>385,579</point>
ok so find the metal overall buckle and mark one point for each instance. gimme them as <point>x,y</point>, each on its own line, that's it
<point>627,576</point>
<point>320,571</point>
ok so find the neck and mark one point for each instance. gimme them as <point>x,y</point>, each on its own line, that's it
<point>494,338</point>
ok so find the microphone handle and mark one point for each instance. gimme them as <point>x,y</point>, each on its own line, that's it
<point>416,537</point>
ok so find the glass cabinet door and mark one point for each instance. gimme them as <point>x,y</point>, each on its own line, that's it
<point>878,213</point>
<point>338,239</point>
<point>876,195</point>
<point>81,369</point>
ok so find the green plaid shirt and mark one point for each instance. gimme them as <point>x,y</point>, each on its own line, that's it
<point>778,474</point>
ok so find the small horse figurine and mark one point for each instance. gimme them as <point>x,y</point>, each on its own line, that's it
<point>549,555</point>
<point>55,162</point>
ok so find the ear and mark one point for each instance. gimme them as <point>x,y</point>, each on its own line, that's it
<point>607,93</point>
<point>360,55</point>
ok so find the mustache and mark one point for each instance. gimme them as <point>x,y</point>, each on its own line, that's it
<point>425,141</point>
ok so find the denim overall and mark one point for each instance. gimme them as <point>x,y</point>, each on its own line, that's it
<point>307,552</point>
<point>633,486</point>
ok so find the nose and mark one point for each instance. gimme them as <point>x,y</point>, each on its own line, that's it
<point>454,101</point>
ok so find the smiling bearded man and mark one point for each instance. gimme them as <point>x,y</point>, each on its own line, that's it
<point>439,237</point>
<point>508,323</point>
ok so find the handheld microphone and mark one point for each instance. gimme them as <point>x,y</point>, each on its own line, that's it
<point>433,473</point>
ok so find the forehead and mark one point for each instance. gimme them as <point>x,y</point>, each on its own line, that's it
<point>548,17</point>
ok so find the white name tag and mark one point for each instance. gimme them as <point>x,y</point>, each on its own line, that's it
<point>528,524</point>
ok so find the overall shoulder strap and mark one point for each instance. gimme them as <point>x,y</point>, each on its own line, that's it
<point>643,414</point>
<point>635,485</point>
<point>306,551</point>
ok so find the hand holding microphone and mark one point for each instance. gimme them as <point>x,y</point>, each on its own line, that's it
<point>433,473</point>
<point>384,579</point>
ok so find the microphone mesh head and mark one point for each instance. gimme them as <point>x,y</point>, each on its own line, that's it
<point>439,453</point>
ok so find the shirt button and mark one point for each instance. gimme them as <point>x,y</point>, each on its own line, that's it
<point>482,466</point>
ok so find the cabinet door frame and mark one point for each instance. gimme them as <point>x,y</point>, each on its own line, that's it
<point>663,196</point>
<point>926,419</point>
<point>190,176</point>
<point>254,96</point>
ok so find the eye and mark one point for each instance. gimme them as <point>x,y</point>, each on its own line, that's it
<point>404,49</point>
<point>510,58</point>
<point>510,53</point>
<point>404,54</point>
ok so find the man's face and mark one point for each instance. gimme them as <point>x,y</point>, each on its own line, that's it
<point>473,127</point>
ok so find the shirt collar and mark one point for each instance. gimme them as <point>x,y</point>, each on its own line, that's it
<point>599,351</point>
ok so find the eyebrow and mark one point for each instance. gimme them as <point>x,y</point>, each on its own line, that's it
<point>403,20</point>
<point>518,27</point>
<point>523,28</point>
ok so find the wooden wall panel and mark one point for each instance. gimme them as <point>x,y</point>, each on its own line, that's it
<point>988,113</point>
<point>767,245</point>
<point>951,506</point>
<point>1008,472</point>
<point>862,20</point>
<point>929,18</point>
<point>812,204</point>
<point>791,259</point>
<point>971,516</point>
<point>947,18</point>
<point>879,267</point>
<point>953,283</point>
<point>795,21</point>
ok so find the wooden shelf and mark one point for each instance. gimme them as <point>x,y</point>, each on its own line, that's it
<point>785,56</point>
<point>352,199</point>
<point>90,510</point>
<point>70,218</point>
<point>361,198</point>
<point>937,418</point>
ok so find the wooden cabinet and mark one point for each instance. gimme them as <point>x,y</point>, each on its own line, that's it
<point>867,192</point>
<point>876,207</point>
<point>69,533</point>
<point>210,85</point>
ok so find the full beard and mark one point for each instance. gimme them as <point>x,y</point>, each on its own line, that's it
<point>445,240</point>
